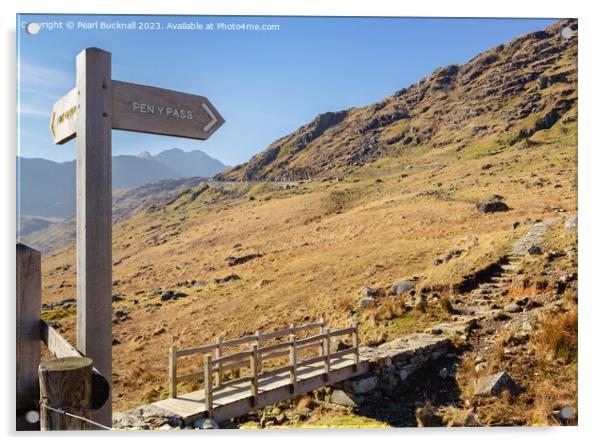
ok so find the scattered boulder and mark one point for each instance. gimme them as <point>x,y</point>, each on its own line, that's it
<point>167,295</point>
<point>368,292</point>
<point>534,250</point>
<point>403,287</point>
<point>226,279</point>
<point>205,424</point>
<point>494,203</point>
<point>571,223</point>
<point>235,261</point>
<point>450,256</point>
<point>117,297</point>
<point>365,302</point>
<point>145,417</point>
<point>127,421</point>
<point>512,308</point>
<point>495,384</point>
<point>367,296</point>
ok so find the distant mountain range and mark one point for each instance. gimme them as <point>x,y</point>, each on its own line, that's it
<point>47,189</point>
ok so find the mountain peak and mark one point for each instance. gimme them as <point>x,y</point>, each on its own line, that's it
<point>507,94</point>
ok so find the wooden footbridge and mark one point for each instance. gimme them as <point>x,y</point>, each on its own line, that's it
<point>248,373</point>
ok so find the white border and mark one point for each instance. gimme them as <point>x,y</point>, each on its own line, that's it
<point>590,147</point>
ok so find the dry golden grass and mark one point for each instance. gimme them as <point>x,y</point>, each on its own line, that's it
<point>558,336</point>
<point>315,259</point>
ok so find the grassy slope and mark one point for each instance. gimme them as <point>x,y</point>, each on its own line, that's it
<point>322,241</point>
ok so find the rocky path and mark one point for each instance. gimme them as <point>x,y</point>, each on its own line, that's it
<point>533,237</point>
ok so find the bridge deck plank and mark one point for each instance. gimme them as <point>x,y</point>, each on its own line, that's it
<point>235,400</point>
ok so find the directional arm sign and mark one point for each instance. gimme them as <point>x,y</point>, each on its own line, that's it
<point>144,109</point>
<point>156,110</point>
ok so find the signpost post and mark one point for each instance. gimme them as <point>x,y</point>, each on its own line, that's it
<point>89,112</point>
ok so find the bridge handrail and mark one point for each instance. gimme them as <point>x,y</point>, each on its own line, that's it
<point>258,336</point>
<point>254,358</point>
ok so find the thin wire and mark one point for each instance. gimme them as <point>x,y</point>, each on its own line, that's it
<point>65,413</point>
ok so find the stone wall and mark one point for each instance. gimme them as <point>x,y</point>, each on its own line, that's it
<point>391,364</point>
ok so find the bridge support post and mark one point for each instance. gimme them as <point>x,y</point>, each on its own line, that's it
<point>254,380</point>
<point>293,363</point>
<point>218,354</point>
<point>356,345</point>
<point>173,373</point>
<point>258,343</point>
<point>209,385</point>
<point>326,349</point>
<point>322,332</point>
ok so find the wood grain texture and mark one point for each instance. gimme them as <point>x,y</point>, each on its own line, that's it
<point>28,305</point>
<point>148,109</point>
<point>65,383</point>
<point>63,120</point>
<point>56,343</point>
<point>94,253</point>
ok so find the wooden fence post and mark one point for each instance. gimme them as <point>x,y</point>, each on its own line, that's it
<point>209,385</point>
<point>258,343</point>
<point>293,362</point>
<point>321,332</point>
<point>29,302</point>
<point>173,373</point>
<point>254,379</point>
<point>356,345</point>
<point>218,354</point>
<point>326,348</point>
<point>93,213</point>
<point>65,384</point>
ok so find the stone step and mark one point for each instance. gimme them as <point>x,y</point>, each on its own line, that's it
<point>490,286</point>
<point>509,267</point>
<point>481,302</point>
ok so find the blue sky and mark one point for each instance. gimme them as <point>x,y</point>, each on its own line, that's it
<point>265,83</point>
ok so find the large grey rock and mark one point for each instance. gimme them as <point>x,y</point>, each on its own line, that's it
<point>127,421</point>
<point>368,292</point>
<point>365,302</point>
<point>205,424</point>
<point>512,308</point>
<point>492,206</point>
<point>340,397</point>
<point>362,385</point>
<point>494,384</point>
<point>403,286</point>
<point>571,223</point>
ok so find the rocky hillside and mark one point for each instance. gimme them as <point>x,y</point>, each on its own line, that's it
<point>435,212</point>
<point>510,92</point>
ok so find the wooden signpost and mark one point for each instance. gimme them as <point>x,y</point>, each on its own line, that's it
<point>89,112</point>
